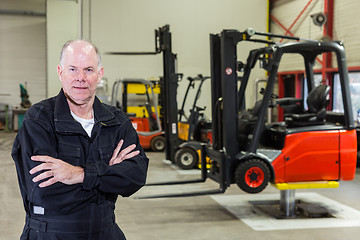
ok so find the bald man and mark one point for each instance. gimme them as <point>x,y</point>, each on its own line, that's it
<point>74,155</point>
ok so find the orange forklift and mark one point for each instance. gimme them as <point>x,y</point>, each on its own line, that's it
<point>310,145</point>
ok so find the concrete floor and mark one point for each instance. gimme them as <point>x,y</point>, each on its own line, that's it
<point>201,217</point>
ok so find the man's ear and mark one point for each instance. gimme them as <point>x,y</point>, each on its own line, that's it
<point>60,71</point>
<point>100,74</point>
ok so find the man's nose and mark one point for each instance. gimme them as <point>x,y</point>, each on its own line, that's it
<point>80,76</point>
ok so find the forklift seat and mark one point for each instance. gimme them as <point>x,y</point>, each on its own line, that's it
<point>317,101</point>
<point>246,123</point>
<point>152,119</point>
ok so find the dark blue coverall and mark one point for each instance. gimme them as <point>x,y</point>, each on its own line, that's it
<point>79,211</point>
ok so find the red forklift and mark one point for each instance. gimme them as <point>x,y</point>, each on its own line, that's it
<point>312,144</point>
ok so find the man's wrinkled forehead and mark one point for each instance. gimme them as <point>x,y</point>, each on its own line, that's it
<point>77,48</point>
<point>80,53</point>
<point>80,46</point>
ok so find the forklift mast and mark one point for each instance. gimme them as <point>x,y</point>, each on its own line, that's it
<point>169,83</point>
<point>215,68</point>
<point>224,82</point>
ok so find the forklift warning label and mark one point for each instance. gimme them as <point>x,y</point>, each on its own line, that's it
<point>173,128</point>
<point>228,71</point>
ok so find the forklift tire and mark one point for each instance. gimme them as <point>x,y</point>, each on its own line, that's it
<point>158,143</point>
<point>252,176</point>
<point>186,158</point>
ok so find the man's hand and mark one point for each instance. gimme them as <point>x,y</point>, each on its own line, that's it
<point>124,154</point>
<point>57,171</point>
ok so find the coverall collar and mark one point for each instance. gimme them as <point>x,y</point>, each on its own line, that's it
<point>64,122</point>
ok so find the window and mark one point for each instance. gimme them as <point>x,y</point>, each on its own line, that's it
<point>317,81</point>
<point>354,80</point>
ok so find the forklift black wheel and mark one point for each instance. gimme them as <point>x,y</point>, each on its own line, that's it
<point>157,143</point>
<point>252,176</point>
<point>186,158</point>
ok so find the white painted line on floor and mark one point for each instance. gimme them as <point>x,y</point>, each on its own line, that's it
<point>190,172</point>
<point>239,205</point>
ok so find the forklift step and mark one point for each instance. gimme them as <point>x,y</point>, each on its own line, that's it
<point>305,185</point>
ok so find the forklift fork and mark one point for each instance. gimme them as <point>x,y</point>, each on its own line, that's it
<point>204,175</point>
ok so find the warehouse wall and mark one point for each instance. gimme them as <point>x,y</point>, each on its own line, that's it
<point>22,50</point>
<point>129,26</point>
<point>345,18</point>
<point>62,24</point>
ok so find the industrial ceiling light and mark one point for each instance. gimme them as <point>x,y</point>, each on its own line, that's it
<point>319,19</point>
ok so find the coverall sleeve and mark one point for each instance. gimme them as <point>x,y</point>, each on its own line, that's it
<point>37,138</point>
<point>124,178</point>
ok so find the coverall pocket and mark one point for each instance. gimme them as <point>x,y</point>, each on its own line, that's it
<point>106,152</point>
<point>69,153</point>
<point>34,235</point>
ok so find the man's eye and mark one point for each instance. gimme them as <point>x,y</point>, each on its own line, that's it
<point>72,69</point>
<point>89,70</point>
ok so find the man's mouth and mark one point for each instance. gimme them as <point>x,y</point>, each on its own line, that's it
<point>81,88</point>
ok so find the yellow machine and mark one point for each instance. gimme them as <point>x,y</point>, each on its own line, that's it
<point>144,113</point>
<point>194,131</point>
<point>139,89</point>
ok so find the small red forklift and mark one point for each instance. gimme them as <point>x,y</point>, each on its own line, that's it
<point>168,84</point>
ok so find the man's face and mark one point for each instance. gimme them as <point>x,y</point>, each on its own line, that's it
<point>79,72</point>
